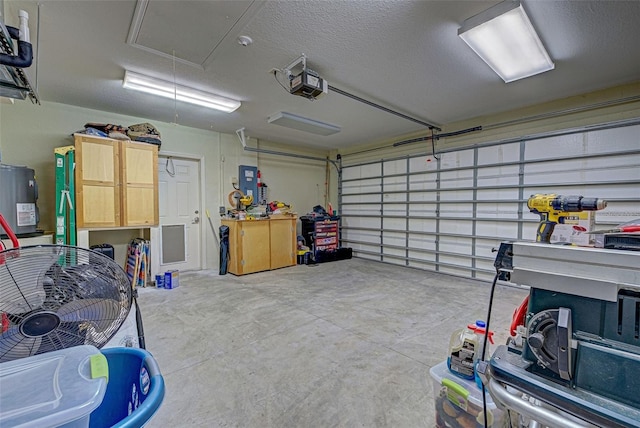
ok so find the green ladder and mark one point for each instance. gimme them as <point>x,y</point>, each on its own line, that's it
<point>65,196</point>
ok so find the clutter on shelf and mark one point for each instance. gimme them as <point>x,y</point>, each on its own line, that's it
<point>320,213</point>
<point>141,132</point>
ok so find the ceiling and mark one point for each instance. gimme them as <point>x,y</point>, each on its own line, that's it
<point>402,54</point>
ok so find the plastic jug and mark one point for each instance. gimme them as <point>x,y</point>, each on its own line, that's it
<point>465,349</point>
<point>480,330</point>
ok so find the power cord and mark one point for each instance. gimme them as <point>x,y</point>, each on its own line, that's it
<point>484,346</point>
<point>275,75</point>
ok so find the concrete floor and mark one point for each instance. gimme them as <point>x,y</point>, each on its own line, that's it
<point>340,344</point>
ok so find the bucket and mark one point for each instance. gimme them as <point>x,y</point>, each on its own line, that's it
<point>135,390</point>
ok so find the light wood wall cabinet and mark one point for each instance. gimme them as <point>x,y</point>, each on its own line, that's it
<point>259,245</point>
<point>116,183</point>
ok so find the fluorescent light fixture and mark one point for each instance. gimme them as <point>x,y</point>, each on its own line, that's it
<point>505,39</point>
<point>140,82</point>
<point>290,120</point>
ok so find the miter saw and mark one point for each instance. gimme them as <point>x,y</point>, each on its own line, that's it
<point>239,200</point>
<point>577,360</point>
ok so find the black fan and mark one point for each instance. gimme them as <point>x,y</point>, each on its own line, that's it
<point>55,296</point>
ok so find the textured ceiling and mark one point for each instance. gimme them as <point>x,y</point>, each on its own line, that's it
<point>404,55</point>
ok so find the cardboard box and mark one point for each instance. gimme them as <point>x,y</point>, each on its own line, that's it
<point>171,279</point>
<point>565,233</point>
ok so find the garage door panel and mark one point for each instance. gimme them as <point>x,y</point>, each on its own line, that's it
<point>463,158</point>
<point>458,246</point>
<point>395,223</point>
<point>416,225</point>
<point>581,172</point>
<point>501,175</point>
<point>456,195</point>
<point>422,242</point>
<point>358,221</point>
<point>396,186</point>
<point>422,209</point>
<point>498,194</point>
<point>423,197</point>
<point>398,166</point>
<point>456,226</point>
<point>618,212</point>
<point>498,211</point>
<point>394,209</point>
<point>365,186</point>
<point>357,198</point>
<point>394,197</point>
<point>504,153</point>
<point>501,230</point>
<point>421,163</point>
<point>423,182</point>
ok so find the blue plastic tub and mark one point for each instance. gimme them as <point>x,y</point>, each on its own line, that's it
<point>135,390</point>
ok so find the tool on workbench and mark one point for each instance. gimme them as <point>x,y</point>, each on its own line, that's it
<point>622,229</point>
<point>239,200</point>
<point>581,342</point>
<point>275,205</point>
<point>554,209</point>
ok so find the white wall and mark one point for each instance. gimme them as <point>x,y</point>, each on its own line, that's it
<point>29,133</point>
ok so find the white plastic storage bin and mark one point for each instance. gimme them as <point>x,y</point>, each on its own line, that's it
<point>54,389</point>
<point>459,401</point>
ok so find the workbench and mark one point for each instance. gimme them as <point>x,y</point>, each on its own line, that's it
<point>259,245</point>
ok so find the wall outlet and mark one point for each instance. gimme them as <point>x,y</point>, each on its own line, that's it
<point>234,181</point>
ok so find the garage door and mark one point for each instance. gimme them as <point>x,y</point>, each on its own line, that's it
<point>447,215</point>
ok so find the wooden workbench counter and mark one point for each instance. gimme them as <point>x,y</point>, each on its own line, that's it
<point>259,245</point>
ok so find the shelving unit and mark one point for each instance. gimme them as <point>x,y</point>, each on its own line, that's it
<point>20,87</point>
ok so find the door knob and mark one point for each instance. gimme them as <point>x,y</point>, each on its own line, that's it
<point>196,220</point>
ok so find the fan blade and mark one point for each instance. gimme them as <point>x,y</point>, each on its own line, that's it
<point>65,336</point>
<point>21,277</point>
<point>15,345</point>
<point>101,313</point>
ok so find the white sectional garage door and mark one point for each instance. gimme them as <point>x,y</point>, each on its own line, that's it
<point>447,215</point>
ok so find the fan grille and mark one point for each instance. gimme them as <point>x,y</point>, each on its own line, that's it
<point>55,296</point>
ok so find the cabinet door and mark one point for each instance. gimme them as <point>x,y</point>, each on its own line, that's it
<point>283,242</point>
<point>254,237</point>
<point>139,184</point>
<point>97,182</point>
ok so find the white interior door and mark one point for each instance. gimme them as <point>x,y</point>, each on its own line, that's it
<point>180,214</point>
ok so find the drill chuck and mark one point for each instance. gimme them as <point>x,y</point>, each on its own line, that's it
<point>577,204</point>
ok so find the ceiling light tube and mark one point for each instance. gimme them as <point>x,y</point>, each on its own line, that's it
<point>162,88</point>
<point>505,39</point>
<point>290,120</point>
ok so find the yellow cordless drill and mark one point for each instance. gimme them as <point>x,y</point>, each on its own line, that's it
<point>553,209</point>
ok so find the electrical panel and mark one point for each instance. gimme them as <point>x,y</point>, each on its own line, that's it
<point>248,181</point>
